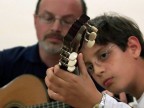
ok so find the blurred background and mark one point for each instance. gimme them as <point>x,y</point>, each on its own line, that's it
<point>17,26</point>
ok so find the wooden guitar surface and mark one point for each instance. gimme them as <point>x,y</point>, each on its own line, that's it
<point>23,91</point>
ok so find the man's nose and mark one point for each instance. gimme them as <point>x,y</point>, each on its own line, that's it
<point>56,26</point>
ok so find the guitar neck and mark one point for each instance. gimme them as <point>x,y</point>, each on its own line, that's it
<point>53,104</point>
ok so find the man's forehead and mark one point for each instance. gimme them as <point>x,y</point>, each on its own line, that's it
<point>62,3</point>
<point>62,7</point>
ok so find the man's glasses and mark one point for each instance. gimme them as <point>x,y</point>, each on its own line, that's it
<point>101,57</point>
<point>49,18</point>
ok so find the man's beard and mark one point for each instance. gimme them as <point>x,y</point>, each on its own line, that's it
<point>50,48</point>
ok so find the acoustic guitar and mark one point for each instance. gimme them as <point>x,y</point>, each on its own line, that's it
<point>28,91</point>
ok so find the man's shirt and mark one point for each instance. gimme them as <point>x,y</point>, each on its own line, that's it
<point>20,60</point>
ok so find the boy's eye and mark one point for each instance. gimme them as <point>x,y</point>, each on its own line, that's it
<point>90,68</point>
<point>103,56</point>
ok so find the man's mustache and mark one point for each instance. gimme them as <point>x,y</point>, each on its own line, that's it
<point>53,35</point>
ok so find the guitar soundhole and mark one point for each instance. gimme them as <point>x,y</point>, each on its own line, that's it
<point>14,105</point>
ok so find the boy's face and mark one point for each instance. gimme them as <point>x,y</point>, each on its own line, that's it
<point>112,68</point>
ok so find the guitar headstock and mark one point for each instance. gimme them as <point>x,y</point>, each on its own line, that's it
<point>79,32</point>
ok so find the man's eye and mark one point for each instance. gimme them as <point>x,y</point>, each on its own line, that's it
<point>49,18</point>
<point>67,21</point>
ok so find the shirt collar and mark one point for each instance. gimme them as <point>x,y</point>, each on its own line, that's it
<point>32,54</point>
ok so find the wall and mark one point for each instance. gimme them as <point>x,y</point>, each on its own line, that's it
<point>16,18</point>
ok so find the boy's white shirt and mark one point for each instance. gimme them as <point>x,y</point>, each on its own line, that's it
<point>110,102</point>
<point>141,102</point>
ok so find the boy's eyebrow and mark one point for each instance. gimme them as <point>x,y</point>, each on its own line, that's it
<point>100,49</point>
<point>95,53</point>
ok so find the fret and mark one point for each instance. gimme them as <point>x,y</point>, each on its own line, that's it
<point>53,104</point>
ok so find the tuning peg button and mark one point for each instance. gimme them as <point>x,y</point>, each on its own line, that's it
<point>72,62</point>
<point>92,36</point>
<point>90,43</point>
<point>94,28</point>
<point>71,69</point>
<point>73,56</point>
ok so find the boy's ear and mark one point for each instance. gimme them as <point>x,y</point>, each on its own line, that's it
<point>134,46</point>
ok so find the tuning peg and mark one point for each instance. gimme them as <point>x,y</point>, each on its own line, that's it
<point>91,39</point>
<point>71,68</point>
<point>90,43</point>
<point>72,62</point>
<point>94,28</point>
<point>92,36</point>
<point>73,56</point>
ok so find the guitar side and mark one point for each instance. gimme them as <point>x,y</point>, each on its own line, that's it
<point>23,91</point>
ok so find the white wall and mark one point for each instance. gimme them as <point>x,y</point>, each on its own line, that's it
<point>16,18</point>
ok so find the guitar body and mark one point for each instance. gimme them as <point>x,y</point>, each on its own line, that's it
<point>23,91</point>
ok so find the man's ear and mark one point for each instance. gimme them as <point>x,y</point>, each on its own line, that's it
<point>35,20</point>
<point>134,46</point>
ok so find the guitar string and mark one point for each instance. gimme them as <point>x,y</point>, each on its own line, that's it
<point>55,104</point>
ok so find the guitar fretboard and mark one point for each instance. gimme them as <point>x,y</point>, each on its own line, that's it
<point>54,104</point>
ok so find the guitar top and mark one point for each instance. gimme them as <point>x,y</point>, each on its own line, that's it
<point>27,91</point>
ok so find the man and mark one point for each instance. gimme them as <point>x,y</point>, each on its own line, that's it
<point>116,62</point>
<point>52,19</point>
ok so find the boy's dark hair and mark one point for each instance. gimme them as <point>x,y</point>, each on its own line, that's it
<point>113,28</point>
<point>84,7</point>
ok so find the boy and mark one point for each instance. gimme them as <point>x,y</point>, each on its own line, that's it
<point>115,62</point>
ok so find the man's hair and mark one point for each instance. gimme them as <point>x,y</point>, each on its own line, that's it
<point>114,28</point>
<point>84,7</point>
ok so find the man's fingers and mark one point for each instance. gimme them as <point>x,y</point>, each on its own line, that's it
<point>54,82</point>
